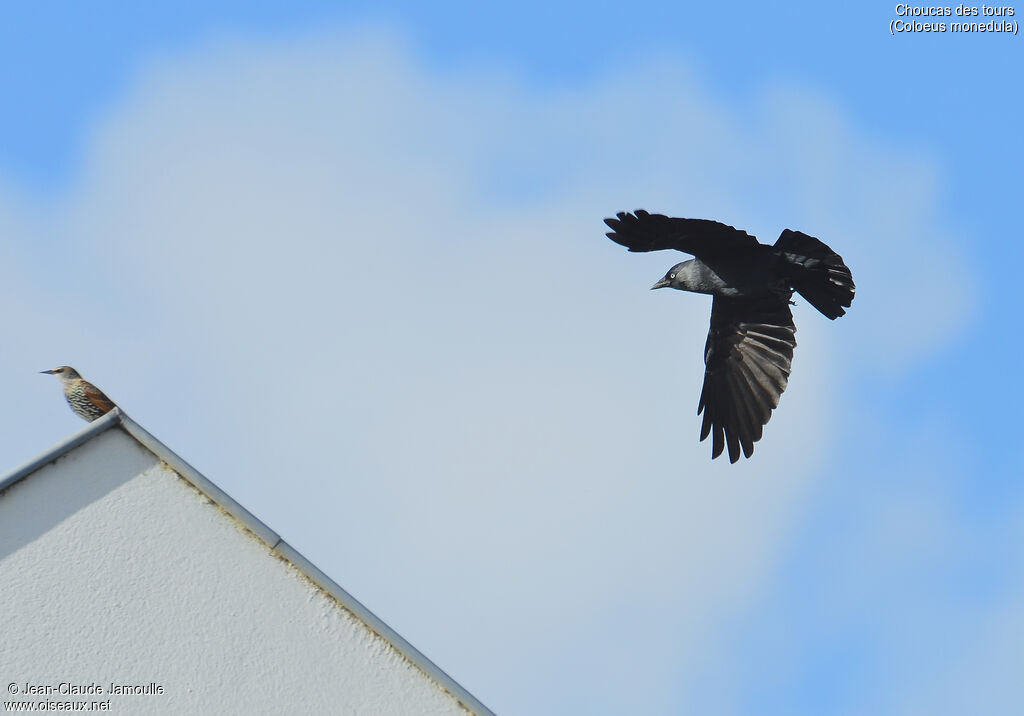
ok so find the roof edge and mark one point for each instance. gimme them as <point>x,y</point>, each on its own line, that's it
<point>385,632</point>
<point>307,568</point>
<point>110,420</point>
<point>200,481</point>
<point>277,546</point>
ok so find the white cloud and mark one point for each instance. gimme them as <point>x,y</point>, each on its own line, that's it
<point>375,304</point>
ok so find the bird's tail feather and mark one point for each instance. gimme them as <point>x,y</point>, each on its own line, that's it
<point>817,273</point>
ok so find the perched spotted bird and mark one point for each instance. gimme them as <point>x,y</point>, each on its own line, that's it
<point>750,345</point>
<point>86,400</point>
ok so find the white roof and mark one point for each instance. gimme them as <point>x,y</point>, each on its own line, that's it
<point>116,419</point>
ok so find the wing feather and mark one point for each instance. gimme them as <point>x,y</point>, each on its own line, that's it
<point>643,231</point>
<point>748,356</point>
<point>96,397</point>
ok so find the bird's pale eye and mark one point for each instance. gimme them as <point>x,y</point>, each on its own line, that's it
<point>671,275</point>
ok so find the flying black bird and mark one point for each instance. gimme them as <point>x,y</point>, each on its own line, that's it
<point>749,349</point>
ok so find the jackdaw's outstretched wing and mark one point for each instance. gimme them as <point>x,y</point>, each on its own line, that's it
<point>641,231</point>
<point>748,357</point>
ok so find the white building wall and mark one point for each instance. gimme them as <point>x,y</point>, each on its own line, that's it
<point>114,570</point>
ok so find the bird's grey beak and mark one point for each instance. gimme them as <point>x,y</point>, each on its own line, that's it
<point>50,372</point>
<point>661,284</point>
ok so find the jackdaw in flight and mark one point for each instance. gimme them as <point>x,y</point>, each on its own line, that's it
<point>749,349</point>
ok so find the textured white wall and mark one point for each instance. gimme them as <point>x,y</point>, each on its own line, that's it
<point>114,570</point>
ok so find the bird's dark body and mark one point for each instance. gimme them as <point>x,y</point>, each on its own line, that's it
<point>749,350</point>
<point>751,273</point>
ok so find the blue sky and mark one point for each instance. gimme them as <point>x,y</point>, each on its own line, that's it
<point>171,171</point>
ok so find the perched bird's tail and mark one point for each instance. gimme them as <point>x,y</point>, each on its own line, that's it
<point>817,273</point>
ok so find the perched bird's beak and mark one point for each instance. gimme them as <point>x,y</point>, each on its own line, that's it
<point>50,372</point>
<point>661,284</point>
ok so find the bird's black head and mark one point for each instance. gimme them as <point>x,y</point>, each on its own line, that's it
<point>674,278</point>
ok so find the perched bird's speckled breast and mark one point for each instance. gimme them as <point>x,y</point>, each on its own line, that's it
<point>80,403</point>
